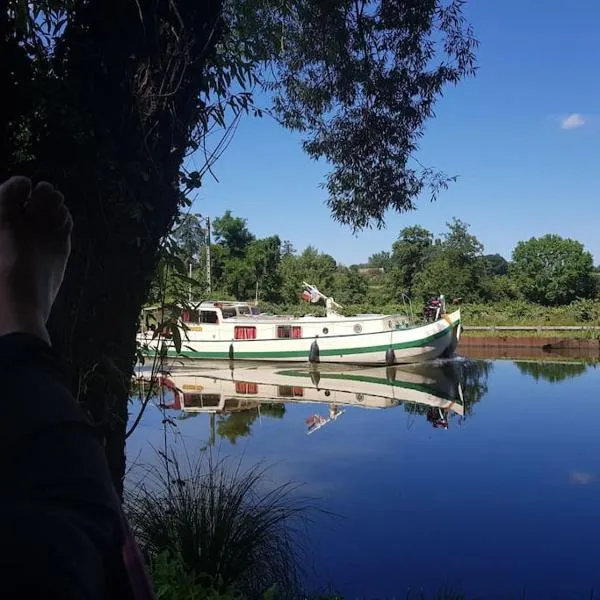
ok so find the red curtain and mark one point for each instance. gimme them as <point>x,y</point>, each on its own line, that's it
<point>285,331</point>
<point>244,387</point>
<point>244,333</point>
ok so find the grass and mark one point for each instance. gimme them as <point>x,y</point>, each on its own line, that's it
<point>216,530</point>
<point>517,312</point>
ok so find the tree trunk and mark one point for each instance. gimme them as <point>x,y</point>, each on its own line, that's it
<point>118,105</point>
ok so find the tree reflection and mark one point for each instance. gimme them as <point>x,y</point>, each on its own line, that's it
<point>552,371</point>
<point>456,377</point>
<point>239,424</point>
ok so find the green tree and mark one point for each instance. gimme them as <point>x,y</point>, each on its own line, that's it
<point>495,264</point>
<point>455,268</point>
<point>311,266</point>
<point>380,260</point>
<point>232,234</point>
<point>287,249</point>
<point>552,270</point>
<point>239,278</point>
<point>239,424</point>
<point>190,237</point>
<point>265,255</point>
<point>350,286</point>
<point>108,98</point>
<point>243,265</point>
<point>410,253</point>
<point>553,372</point>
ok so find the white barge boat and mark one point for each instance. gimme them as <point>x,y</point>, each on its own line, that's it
<point>230,331</point>
<point>223,390</point>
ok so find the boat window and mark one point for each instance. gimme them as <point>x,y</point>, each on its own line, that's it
<point>201,400</point>
<point>289,331</point>
<point>190,316</point>
<point>244,333</point>
<point>288,391</point>
<point>209,316</point>
<point>228,312</point>
<point>244,387</point>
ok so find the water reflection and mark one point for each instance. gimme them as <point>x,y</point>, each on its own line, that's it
<point>506,502</point>
<point>551,371</point>
<point>235,398</point>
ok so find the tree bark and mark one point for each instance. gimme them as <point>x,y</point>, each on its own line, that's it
<point>118,106</point>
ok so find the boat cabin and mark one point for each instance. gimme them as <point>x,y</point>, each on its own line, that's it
<point>216,312</point>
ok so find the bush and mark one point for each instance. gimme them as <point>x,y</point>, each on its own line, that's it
<point>221,525</point>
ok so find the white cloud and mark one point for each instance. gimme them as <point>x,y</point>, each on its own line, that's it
<point>582,477</point>
<point>573,121</point>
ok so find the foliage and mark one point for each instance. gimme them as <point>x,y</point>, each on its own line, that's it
<point>227,527</point>
<point>239,424</point>
<point>190,237</point>
<point>495,265</point>
<point>520,312</point>
<point>311,266</point>
<point>359,79</point>
<point>380,260</point>
<point>232,234</point>
<point>172,580</point>
<point>109,99</point>
<point>455,268</point>
<point>410,254</point>
<point>552,270</point>
<point>552,372</point>
<point>350,287</point>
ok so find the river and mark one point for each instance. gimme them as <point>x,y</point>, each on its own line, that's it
<point>479,475</point>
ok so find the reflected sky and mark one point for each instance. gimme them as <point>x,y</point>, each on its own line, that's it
<point>504,497</point>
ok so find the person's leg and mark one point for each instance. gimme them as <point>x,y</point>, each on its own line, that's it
<point>60,526</point>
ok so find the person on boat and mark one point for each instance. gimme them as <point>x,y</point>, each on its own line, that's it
<point>62,531</point>
<point>438,417</point>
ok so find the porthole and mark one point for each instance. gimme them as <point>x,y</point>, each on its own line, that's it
<point>325,330</point>
<point>357,328</point>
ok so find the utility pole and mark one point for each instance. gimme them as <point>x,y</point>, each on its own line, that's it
<point>208,285</point>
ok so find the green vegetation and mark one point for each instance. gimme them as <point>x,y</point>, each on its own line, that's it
<point>552,372</point>
<point>520,312</point>
<point>215,529</point>
<point>494,291</point>
<point>552,270</point>
<point>234,425</point>
<point>110,100</point>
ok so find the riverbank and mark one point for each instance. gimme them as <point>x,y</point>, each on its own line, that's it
<point>580,339</point>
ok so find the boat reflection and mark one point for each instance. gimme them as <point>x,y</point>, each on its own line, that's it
<point>438,391</point>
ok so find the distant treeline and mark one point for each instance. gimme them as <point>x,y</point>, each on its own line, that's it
<point>550,270</point>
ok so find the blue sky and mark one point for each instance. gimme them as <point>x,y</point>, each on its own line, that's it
<point>523,137</point>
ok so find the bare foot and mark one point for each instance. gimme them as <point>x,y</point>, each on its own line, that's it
<point>35,242</point>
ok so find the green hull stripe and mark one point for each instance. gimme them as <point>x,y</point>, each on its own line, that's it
<point>274,355</point>
<point>407,385</point>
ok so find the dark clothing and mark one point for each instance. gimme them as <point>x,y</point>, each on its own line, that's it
<point>61,530</point>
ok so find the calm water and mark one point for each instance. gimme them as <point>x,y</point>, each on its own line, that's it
<point>483,475</point>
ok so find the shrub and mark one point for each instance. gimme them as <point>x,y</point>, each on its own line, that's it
<point>224,526</point>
